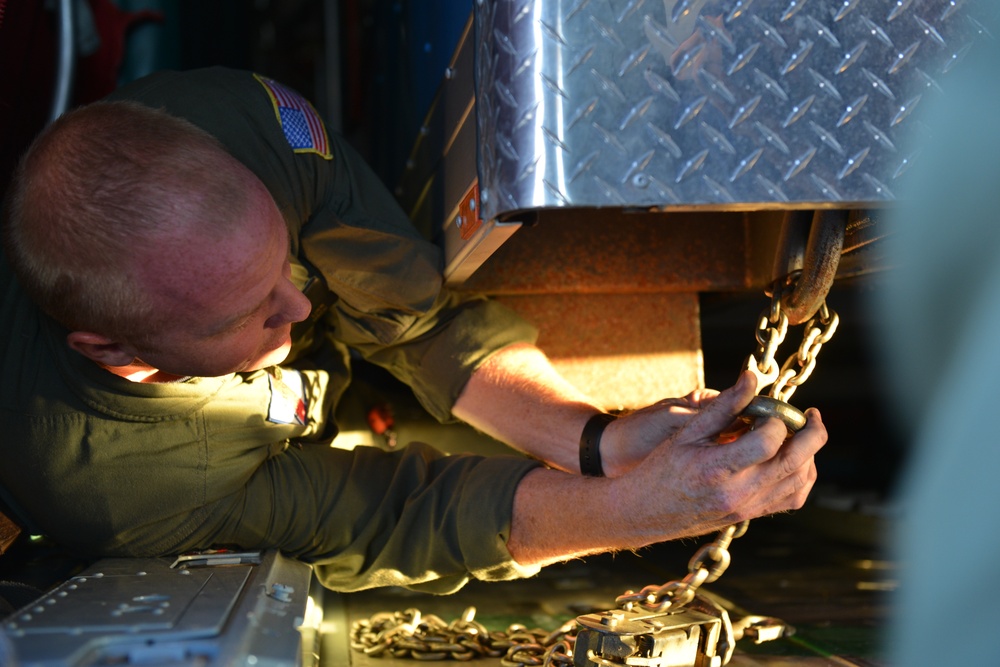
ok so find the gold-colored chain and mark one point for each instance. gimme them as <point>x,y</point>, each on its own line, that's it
<point>427,637</point>
<point>411,634</point>
<point>771,331</point>
<point>707,565</point>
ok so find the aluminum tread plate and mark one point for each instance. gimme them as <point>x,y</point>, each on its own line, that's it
<point>128,610</point>
<point>708,104</point>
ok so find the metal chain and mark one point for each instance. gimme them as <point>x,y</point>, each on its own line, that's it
<point>411,634</point>
<point>771,331</point>
<point>819,330</point>
<point>681,593</point>
<point>427,637</point>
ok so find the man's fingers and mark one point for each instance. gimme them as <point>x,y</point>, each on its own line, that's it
<point>720,412</point>
<point>798,498</point>
<point>801,448</point>
<point>699,398</point>
<point>791,492</point>
<point>769,447</point>
<point>792,471</point>
<point>781,469</point>
<point>756,447</point>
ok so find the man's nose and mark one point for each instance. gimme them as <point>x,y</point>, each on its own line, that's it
<point>299,306</point>
<point>293,306</point>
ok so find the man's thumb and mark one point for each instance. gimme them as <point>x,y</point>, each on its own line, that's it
<point>720,412</point>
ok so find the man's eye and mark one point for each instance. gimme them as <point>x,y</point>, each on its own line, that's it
<point>240,326</point>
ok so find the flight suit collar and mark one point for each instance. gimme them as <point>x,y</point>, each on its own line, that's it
<point>109,394</point>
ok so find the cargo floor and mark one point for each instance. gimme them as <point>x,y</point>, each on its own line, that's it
<point>812,569</point>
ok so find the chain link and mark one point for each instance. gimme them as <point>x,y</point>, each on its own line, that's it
<point>770,335</point>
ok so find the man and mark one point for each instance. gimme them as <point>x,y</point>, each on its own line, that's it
<point>156,400</point>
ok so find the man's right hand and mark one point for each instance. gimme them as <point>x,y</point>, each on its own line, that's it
<point>761,472</point>
<point>689,485</point>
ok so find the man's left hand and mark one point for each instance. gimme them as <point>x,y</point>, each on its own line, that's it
<point>629,439</point>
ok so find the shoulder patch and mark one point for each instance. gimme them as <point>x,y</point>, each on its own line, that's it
<point>301,125</point>
<point>288,399</point>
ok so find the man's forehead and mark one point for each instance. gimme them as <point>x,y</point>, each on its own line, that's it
<point>215,271</point>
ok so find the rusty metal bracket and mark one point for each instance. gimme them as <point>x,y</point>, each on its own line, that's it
<point>9,532</point>
<point>806,264</point>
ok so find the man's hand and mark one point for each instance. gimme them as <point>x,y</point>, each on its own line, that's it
<point>689,485</point>
<point>629,440</point>
<point>761,472</point>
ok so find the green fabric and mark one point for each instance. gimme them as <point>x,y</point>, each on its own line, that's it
<point>346,226</point>
<point>111,467</point>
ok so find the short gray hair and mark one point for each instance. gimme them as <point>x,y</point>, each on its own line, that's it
<point>100,182</point>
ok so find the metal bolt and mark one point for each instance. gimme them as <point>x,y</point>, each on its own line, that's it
<point>612,618</point>
<point>281,592</point>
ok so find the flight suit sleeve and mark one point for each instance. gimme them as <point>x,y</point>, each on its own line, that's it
<point>436,521</point>
<point>108,467</point>
<point>393,307</point>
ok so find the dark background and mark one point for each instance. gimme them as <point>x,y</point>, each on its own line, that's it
<point>391,54</point>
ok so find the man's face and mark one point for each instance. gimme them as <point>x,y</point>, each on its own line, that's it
<point>229,302</point>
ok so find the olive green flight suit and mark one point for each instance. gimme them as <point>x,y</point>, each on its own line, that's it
<point>106,466</point>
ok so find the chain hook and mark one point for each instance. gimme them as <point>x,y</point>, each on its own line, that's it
<point>812,256</point>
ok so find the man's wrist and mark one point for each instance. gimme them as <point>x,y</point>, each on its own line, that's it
<point>590,444</point>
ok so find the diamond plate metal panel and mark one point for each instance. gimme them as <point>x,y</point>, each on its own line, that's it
<point>127,611</point>
<point>707,104</point>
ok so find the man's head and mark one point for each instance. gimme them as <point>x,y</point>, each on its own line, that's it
<point>140,234</point>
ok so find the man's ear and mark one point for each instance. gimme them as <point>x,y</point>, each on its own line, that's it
<point>99,348</point>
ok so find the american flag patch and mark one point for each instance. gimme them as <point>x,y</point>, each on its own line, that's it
<point>302,126</point>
